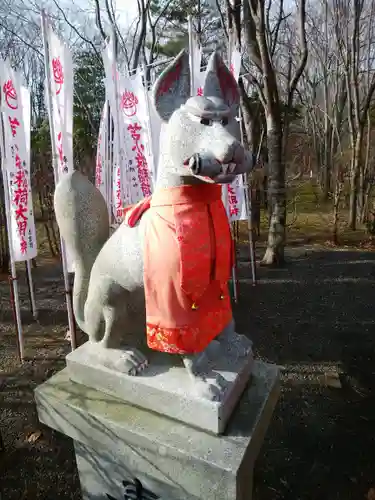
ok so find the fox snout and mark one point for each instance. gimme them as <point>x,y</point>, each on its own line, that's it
<point>234,153</point>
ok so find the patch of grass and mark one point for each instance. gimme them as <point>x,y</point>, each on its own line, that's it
<point>310,220</point>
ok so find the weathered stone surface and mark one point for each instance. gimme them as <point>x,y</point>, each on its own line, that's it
<point>165,386</point>
<point>116,441</point>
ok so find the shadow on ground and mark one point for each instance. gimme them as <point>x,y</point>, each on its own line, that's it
<point>314,318</point>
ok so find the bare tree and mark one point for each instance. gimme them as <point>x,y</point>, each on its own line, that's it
<point>324,95</point>
<point>262,37</point>
<point>354,22</point>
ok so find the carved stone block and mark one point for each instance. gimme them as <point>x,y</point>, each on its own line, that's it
<point>126,452</point>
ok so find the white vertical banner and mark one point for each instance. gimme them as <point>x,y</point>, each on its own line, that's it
<point>15,107</point>
<point>119,187</point>
<point>195,57</point>
<point>156,126</point>
<point>134,116</point>
<point>235,192</point>
<point>61,78</point>
<point>60,86</point>
<point>235,64</point>
<point>101,177</point>
<point>197,60</point>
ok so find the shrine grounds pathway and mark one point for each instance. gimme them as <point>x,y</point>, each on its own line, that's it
<point>315,318</point>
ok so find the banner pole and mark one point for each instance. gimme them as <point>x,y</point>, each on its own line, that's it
<point>248,203</point>
<point>191,58</point>
<point>107,163</point>
<point>30,285</point>
<point>28,262</point>
<point>117,139</point>
<point>226,195</point>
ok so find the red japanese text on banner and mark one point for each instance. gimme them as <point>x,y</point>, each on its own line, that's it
<point>15,107</point>
<point>199,83</point>
<point>134,114</point>
<point>235,199</point>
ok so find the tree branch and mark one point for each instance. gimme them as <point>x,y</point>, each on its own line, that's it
<point>302,64</point>
<point>86,40</point>
<point>99,20</point>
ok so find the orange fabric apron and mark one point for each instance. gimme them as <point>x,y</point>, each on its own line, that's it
<point>187,263</point>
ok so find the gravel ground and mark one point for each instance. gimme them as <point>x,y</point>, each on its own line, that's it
<point>315,318</point>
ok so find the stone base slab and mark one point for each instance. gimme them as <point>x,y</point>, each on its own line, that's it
<point>165,386</point>
<point>120,447</point>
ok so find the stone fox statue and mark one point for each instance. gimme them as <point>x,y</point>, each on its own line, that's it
<point>162,276</point>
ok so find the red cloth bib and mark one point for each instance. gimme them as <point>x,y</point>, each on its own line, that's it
<point>187,263</point>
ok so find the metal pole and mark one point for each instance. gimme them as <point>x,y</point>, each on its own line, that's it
<point>119,150</point>
<point>107,162</point>
<point>234,271</point>
<point>28,263</point>
<point>13,287</point>
<point>225,194</point>
<point>30,286</point>
<point>111,159</point>
<point>247,194</point>
<point>191,58</point>
<point>68,288</point>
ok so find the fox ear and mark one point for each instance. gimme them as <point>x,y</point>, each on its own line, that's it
<point>172,88</point>
<point>220,82</point>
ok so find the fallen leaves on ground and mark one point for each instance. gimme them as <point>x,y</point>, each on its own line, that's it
<point>32,437</point>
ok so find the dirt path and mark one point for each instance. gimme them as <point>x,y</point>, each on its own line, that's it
<point>315,318</point>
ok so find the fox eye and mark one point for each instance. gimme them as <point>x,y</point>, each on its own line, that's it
<point>206,121</point>
<point>224,122</point>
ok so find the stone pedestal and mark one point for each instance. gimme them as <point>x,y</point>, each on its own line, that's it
<point>125,452</point>
<point>165,387</point>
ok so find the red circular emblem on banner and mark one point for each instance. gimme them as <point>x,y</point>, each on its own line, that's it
<point>129,103</point>
<point>58,74</point>
<point>10,94</point>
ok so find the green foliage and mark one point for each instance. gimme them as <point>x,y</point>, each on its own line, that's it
<point>40,137</point>
<point>370,224</point>
<point>172,47</point>
<point>175,18</point>
<point>177,11</point>
<point>88,103</point>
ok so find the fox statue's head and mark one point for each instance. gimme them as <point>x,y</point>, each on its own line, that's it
<point>200,127</point>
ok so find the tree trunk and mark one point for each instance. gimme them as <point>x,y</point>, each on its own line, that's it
<point>326,180</point>
<point>274,255</point>
<point>361,197</point>
<point>352,223</point>
<point>366,203</point>
<point>336,206</point>
<point>363,189</point>
<point>354,184</point>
